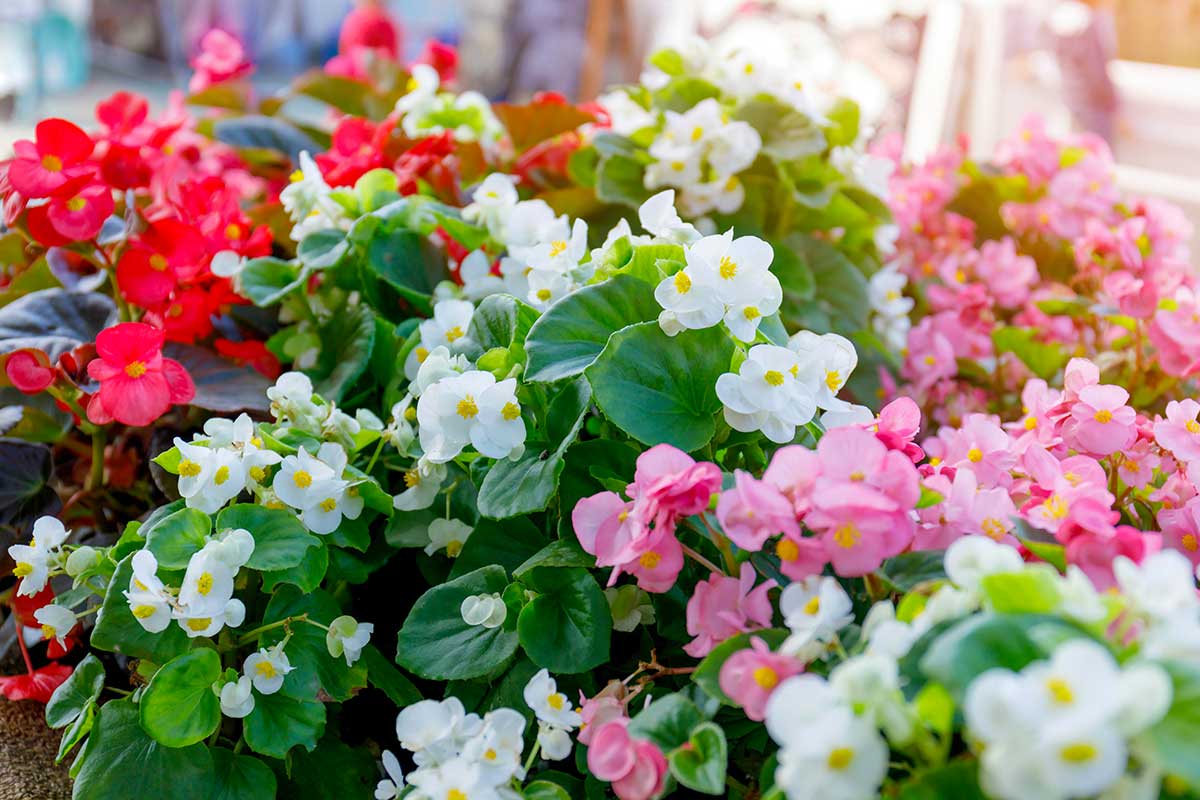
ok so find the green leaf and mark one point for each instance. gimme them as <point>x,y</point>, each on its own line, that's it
<point>118,631</point>
<point>841,286</point>
<point>559,553</point>
<point>567,627</point>
<point>659,388</point>
<point>383,675</point>
<point>935,707</point>
<point>76,731</point>
<point>279,722</point>
<point>844,117</point>
<point>958,779</point>
<point>668,60</point>
<point>264,133</point>
<point>928,498</point>
<point>525,486</point>
<point>786,133</point>
<point>544,790</point>
<point>398,257</point>
<point>176,538</point>
<point>436,643</point>
<point>909,570</point>
<point>1043,359</point>
<point>345,352</point>
<point>313,668</point>
<point>500,320</point>
<point>240,777</point>
<point>708,674</point>
<point>683,93</point>
<point>179,706</point>
<point>333,770</point>
<point>1173,740</point>
<point>322,249</point>
<point>280,540</point>
<point>307,575</point>
<point>267,280</point>
<point>507,544</point>
<point>700,765</point>
<point>567,339</point>
<point>83,686</point>
<point>1033,590</point>
<point>796,278</point>
<point>668,721</point>
<point>121,761</point>
<point>619,180</point>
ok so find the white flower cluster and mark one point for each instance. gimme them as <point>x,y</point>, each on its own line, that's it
<point>776,389</point>
<point>814,610</point>
<point>308,202</point>
<point>700,152</point>
<point>461,755</point>
<point>43,556</point>
<point>216,468</point>
<point>444,339</point>
<point>315,486</point>
<point>725,279</point>
<point>472,408</point>
<point>263,671</point>
<point>293,401</point>
<point>204,603</point>
<point>428,111</point>
<point>890,307</point>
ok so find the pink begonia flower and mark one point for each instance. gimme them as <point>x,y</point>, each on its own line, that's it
<point>934,530</point>
<point>982,446</point>
<point>930,356</point>
<point>636,768</point>
<point>1037,400</point>
<point>793,471</point>
<point>1072,490</point>
<point>1030,151</point>
<point>1103,424</point>
<point>753,511</point>
<point>897,426</point>
<point>1094,552</point>
<point>1179,432</point>
<point>723,606</point>
<point>858,538</point>
<point>596,712</point>
<point>609,528</point>
<point>221,58</point>
<point>1181,529</point>
<point>670,484</point>
<point>972,510</point>
<point>1008,275</point>
<point>749,676</point>
<point>1133,295</point>
<point>854,456</point>
<point>1175,332</point>
<point>1138,462</point>
<point>800,556</point>
<point>1175,492</point>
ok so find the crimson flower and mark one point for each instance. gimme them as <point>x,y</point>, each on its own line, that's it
<point>44,166</point>
<point>221,58</point>
<point>167,252</point>
<point>442,57</point>
<point>37,685</point>
<point>29,370</point>
<point>369,26</point>
<point>137,385</point>
<point>252,353</point>
<point>80,214</point>
<point>357,147</point>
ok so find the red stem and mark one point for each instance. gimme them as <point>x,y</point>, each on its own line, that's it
<point>24,650</point>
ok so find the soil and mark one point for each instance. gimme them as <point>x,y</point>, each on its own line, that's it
<point>27,750</point>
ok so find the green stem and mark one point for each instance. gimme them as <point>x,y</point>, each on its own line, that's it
<point>722,543</point>
<point>250,636</point>
<point>96,476</point>
<point>374,456</point>
<point>701,560</point>
<point>533,754</point>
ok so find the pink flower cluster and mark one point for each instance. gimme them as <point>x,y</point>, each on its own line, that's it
<point>636,768</point>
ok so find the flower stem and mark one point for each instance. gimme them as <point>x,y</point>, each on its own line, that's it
<point>374,456</point>
<point>250,636</point>
<point>701,560</point>
<point>24,649</point>
<point>722,543</point>
<point>96,476</point>
<point>533,754</point>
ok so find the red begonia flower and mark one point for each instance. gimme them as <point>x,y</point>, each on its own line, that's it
<point>370,26</point>
<point>79,216</point>
<point>442,57</point>
<point>38,685</point>
<point>221,58</point>
<point>29,370</point>
<point>137,385</point>
<point>168,252</point>
<point>44,166</point>
<point>252,353</point>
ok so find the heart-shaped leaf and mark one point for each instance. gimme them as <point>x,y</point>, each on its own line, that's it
<point>179,706</point>
<point>700,763</point>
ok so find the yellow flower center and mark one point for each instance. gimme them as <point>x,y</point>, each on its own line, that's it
<point>650,559</point>
<point>787,550</point>
<point>697,133</point>
<point>455,794</point>
<point>833,380</point>
<point>557,248</point>
<point>328,504</point>
<point>773,377</point>
<point>302,479</point>
<point>49,631</point>
<point>158,263</point>
<point>1055,506</point>
<point>857,476</point>
<point>766,677</point>
<point>813,606</point>
<point>258,473</point>
<point>544,294</point>
<point>189,468</point>
<point>454,548</point>
<point>1060,691</point>
<point>1189,542</point>
<point>143,611</point>
<point>410,414</point>
<point>751,313</point>
<point>1103,416</point>
<point>683,284</point>
<point>510,411</point>
<point>678,166</point>
<point>221,475</point>
<point>490,754</point>
<point>993,528</point>
<point>422,354</point>
<point>974,455</point>
<point>727,267</point>
<point>847,535</point>
<point>454,334</point>
<point>840,758</point>
<point>1078,753</point>
<point>1192,426</point>
<point>135,369</point>
<point>1030,423</point>
<point>76,203</point>
<point>204,583</point>
<point>412,478</point>
<point>233,231</point>
<point>22,569</point>
<point>266,669</point>
<point>199,623</point>
<point>556,701</point>
<point>296,176</point>
<point>52,163</point>
<point>466,407</point>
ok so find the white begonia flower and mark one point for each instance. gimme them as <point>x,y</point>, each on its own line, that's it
<point>970,558</point>
<point>1162,587</point>
<point>447,328</point>
<point>232,615</point>
<point>547,288</point>
<point>424,724</point>
<point>423,85</point>
<point>492,201</point>
<point>149,601</point>
<point>210,486</point>
<point>766,395</point>
<point>56,622</point>
<point>630,607</point>
<point>797,703</point>
<point>550,705</point>
<point>237,698</point>
<point>839,755</point>
<point>292,398</point>
<point>515,274</point>
<point>314,486</point>
<point>724,196</point>
<point>227,264</point>
<point>348,637</point>
<point>529,223</point>
<point>267,668</point>
<point>389,788</point>
<point>447,534</point>
<point>826,363</point>
<point>559,254</point>
<point>477,278</point>
<point>870,684</point>
<point>885,291</point>
<point>399,431</point>
<point>814,610</point>
<point>626,116</point>
<point>487,610</point>
<point>207,584</point>
<point>497,746</point>
<point>659,218</point>
<point>1078,597</point>
<point>35,560</point>
<point>470,408</point>
<point>849,414</point>
<point>864,170</point>
<point>435,365</point>
<point>887,635</point>
<point>422,483</point>
<point>306,191</point>
<point>555,741</point>
<point>456,778</point>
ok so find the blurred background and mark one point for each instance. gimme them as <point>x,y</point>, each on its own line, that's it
<point>930,70</point>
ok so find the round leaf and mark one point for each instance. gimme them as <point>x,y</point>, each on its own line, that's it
<point>280,539</point>
<point>566,628</point>
<point>241,777</point>
<point>177,537</point>
<point>701,764</point>
<point>179,706</point>
<point>278,723</point>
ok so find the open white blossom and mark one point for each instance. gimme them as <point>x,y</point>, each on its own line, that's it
<point>472,408</point>
<point>35,560</point>
<point>550,705</point>
<point>56,621</point>
<point>237,697</point>
<point>449,535</point>
<point>347,637</point>
<point>422,483</point>
<point>267,668</point>
<point>765,394</point>
<point>814,610</point>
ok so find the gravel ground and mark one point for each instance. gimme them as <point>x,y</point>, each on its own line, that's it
<point>27,750</point>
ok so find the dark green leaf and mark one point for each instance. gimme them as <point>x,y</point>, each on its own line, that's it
<point>118,631</point>
<point>176,538</point>
<point>567,627</point>
<point>345,352</point>
<point>559,553</point>
<point>238,777</point>
<point>280,540</point>
<point>264,133</point>
<point>959,779</point>
<point>82,687</point>
<point>307,575</point>
<point>908,570</point>
<point>702,763</point>
<point>279,722</point>
<point>383,675</point>
<point>667,721</point>
<point>54,320</point>
<point>507,544</point>
<point>313,667</point>
<point>500,320</point>
<point>267,280</point>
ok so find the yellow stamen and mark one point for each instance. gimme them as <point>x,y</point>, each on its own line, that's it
<point>328,504</point>
<point>1103,416</point>
<point>222,475</point>
<point>766,677</point>
<point>510,411</point>
<point>1078,753</point>
<point>840,758</point>
<point>650,559</point>
<point>727,267</point>
<point>813,606</point>
<point>847,535</point>
<point>52,163</point>
<point>454,334</point>
<point>199,623</point>
<point>135,369</point>
<point>1060,691</point>
<point>773,377</point>
<point>466,407</point>
<point>204,583</point>
<point>302,479</point>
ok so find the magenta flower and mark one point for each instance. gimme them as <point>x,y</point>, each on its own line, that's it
<point>611,529</point>
<point>722,607</point>
<point>749,676</point>
<point>753,511</point>
<point>1103,423</point>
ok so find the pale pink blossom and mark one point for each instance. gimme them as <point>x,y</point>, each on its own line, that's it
<point>750,675</point>
<point>723,606</point>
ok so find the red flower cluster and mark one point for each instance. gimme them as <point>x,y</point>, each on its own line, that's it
<point>56,169</point>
